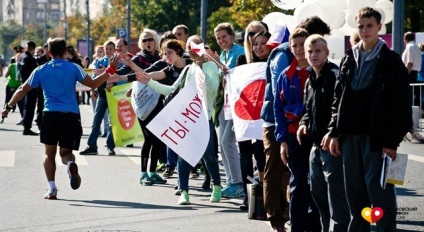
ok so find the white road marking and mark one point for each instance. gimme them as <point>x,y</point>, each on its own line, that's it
<point>416,158</point>
<point>132,154</point>
<point>7,158</point>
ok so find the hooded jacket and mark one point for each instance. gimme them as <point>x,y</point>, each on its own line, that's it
<point>390,103</point>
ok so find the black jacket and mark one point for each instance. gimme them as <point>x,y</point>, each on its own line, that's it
<point>26,64</point>
<point>142,59</point>
<point>319,93</point>
<point>391,112</point>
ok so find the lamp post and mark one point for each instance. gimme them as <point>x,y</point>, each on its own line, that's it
<point>65,29</point>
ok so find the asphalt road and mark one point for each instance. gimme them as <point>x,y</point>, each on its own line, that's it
<point>111,198</point>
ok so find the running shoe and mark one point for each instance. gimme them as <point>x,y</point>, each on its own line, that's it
<point>74,177</point>
<point>160,167</point>
<point>216,194</point>
<point>145,179</point>
<point>184,198</point>
<point>168,172</point>
<point>51,194</point>
<point>89,151</point>
<point>233,191</point>
<point>156,179</point>
<point>194,174</point>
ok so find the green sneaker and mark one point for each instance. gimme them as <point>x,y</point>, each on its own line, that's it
<point>184,198</point>
<point>145,179</point>
<point>156,179</point>
<point>216,194</point>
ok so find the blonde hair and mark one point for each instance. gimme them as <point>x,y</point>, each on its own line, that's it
<point>227,27</point>
<point>254,26</point>
<point>314,40</point>
<point>154,35</point>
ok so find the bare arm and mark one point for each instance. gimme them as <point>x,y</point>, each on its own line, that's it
<point>7,72</point>
<point>96,82</point>
<point>18,95</point>
<point>409,67</point>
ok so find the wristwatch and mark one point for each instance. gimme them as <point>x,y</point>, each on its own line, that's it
<point>7,106</point>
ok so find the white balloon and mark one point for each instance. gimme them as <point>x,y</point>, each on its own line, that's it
<point>306,10</point>
<point>286,4</point>
<point>383,15</point>
<point>290,22</point>
<point>338,21</point>
<point>350,18</point>
<point>387,7</point>
<point>383,30</point>
<point>335,46</point>
<point>348,30</point>
<point>338,32</point>
<point>272,18</point>
<point>341,4</point>
<point>355,5</point>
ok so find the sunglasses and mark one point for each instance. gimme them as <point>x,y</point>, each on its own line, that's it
<point>251,34</point>
<point>147,40</point>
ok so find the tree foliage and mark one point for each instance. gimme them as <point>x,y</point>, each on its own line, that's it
<point>9,32</point>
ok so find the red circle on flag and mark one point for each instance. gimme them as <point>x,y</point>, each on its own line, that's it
<point>251,99</point>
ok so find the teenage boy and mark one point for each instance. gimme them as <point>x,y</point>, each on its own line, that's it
<point>326,171</point>
<point>277,175</point>
<point>371,114</point>
<point>101,108</point>
<point>61,119</point>
<point>288,110</point>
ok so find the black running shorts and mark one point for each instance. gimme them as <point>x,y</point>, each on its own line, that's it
<point>63,129</point>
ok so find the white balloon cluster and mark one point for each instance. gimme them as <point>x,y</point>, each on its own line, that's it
<point>338,14</point>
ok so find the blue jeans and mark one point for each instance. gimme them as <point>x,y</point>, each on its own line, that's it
<point>171,157</point>
<point>99,113</point>
<point>210,159</point>
<point>328,190</point>
<point>303,212</point>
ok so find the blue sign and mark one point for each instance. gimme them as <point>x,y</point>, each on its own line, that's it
<point>121,33</point>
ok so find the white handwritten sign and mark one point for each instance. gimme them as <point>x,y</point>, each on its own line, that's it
<point>183,124</point>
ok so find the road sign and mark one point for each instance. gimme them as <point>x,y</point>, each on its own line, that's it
<point>121,33</point>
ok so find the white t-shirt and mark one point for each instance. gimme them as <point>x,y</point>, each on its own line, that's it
<point>412,54</point>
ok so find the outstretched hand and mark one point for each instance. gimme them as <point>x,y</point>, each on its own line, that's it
<point>114,61</point>
<point>143,77</point>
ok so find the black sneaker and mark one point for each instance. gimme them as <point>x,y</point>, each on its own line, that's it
<point>89,151</point>
<point>110,152</point>
<point>168,172</point>
<point>194,174</point>
<point>29,132</point>
<point>74,177</point>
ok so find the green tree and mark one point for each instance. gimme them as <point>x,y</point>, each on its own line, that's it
<point>9,32</point>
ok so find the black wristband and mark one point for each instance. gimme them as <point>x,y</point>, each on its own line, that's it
<point>7,107</point>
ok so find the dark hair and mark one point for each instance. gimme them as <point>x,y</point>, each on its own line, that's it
<point>31,45</point>
<point>314,25</point>
<point>368,12</point>
<point>263,33</point>
<point>409,36</point>
<point>125,42</point>
<point>265,25</point>
<point>72,51</point>
<point>176,45</point>
<point>181,26</point>
<point>57,47</point>
<point>166,36</point>
<point>298,32</point>
<point>12,60</point>
<point>260,33</point>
